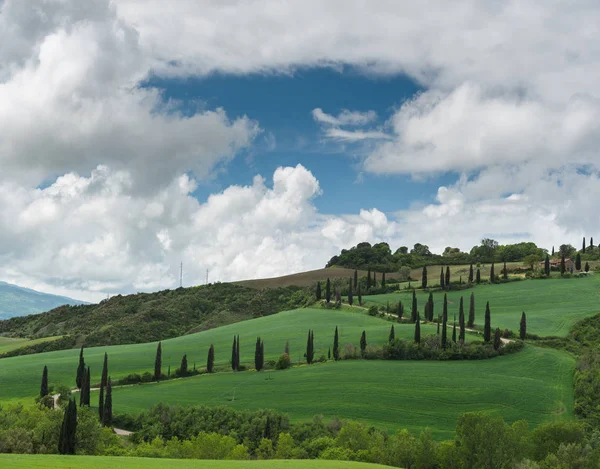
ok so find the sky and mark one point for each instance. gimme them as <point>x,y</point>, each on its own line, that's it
<point>259,138</point>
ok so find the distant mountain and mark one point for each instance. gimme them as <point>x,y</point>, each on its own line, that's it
<point>19,301</point>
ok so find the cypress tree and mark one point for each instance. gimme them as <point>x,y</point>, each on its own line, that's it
<point>591,244</point>
<point>158,362</point>
<point>183,369</point>
<point>350,297</point>
<point>505,274</point>
<point>578,262</point>
<point>355,279</point>
<point>445,323</point>
<point>587,266</point>
<point>523,326</point>
<point>487,328</point>
<point>318,292</point>
<point>363,343</point>
<point>492,275</point>
<point>338,296</point>
<point>400,311</point>
<point>234,354</point>
<point>430,301</point>
<point>387,307</point>
<point>309,349</point>
<point>104,378</point>
<point>547,265</point>
<point>461,322</point>
<point>368,279</point>
<point>107,414</point>
<point>471,321</point>
<point>424,278</point>
<point>374,280</point>
<point>471,273</point>
<point>80,370</point>
<point>237,353</point>
<point>328,291</point>
<point>383,279</point>
<point>68,430</point>
<point>336,345</point>
<point>210,360</point>
<point>442,283</point>
<point>103,382</point>
<point>101,399</point>
<point>418,330</point>
<point>258,360</point>
<point>438,324</point>
<point>82,392</point>
<point>478,278</point>
<point>359,294</point>
<point>413,313</point>
<point>583,246</point>
<point>44,385</point>
<point>88,387</point>
<point>497,339</point>
<point>454,330</point>
<point>562,264</point>
<point>447,277</point>
<point>552,251</point>
<point>392,335</point>
<point>426,310</point>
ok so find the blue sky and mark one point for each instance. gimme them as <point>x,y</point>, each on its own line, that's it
<point>283,105</point>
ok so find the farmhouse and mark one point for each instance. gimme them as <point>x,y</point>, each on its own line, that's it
<point>555,264</point>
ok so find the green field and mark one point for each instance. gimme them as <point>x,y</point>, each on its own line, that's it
<point>535,384</point>
<point>20,461</point>
<point>552,305</point>
<point>8,344</point>
<point>20,376</point>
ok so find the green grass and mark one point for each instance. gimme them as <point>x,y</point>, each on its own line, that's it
<point>21,461</point>
<point>552,306</point>
<point>20,376</point>
<point>8,344</point>
<point>535,384</point>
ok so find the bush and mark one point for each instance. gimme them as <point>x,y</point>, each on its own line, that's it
<point>349,352</point>
<point>373,311</point>
<point>372,352</point>
<point>283,362</point>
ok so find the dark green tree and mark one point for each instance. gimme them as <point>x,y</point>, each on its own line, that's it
<point>350,295</point>
<point>447,277</point>
<point>158,362</point>
<point>44,387</point>
<point>497,339</point>
<point>492,274</point>
<point>426,310</point>
<point>454,330</point>
<point>87,387</point>
<point>424,278</point>
<point>392,335</point>
<point>587,266</point>
<point>445,323</point>
<point>431,312</point>
<point>487,328</point>
<point>562,264</point>
<point>383,279</point>
<point>318,292</point>
<point>210,360</point>
<point>104,377</point>
<point>439,320</point>
<point>552,251</point>
<point>183,368</point>
<point>461,322</point>
<point>359,294</point>
<point>336,345</point>
<point>471,273</point>
<point>442,283</point>
<point>523,326</point>
<point>258,358</point>
<point>418,330</point>
<point>471,321</point>
<point>363,343</point>
<point>355,279</point>
<point>67,437</point>
<point>107,415</point>
<point>591,244</point>
<point>329,354</point>
<point>505,272</point>
<point>478,278</point>
<point>374,280</point>
<point>328,291</point>
<point>237,354</point>
<point>309,348</point>
<point>103,382</point>
<point>583,246</point>
<point>234,365</point>
<point>413,312</point>
<point>368,279</point>
<point>578,262</point>
<point>80,370</point>
<point>547,265</point>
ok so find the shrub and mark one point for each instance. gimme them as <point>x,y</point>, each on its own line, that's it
<point>283,362</point>
<point>349,352</point>
<point>372,352</point>
<point>373,311</point>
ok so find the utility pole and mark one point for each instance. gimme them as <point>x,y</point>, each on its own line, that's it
<point>181,275</point>
<point>206,276</point>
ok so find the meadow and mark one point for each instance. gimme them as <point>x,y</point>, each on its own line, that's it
<point>534,385</point>
<point>552,305</point>
<point>20,376</point>
<point>25,461</point>
<point>8,344</point>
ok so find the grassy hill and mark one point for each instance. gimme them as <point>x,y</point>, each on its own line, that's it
<point>302,279</point>
<point>535,384</point>
<point>19,301</point>
<point>552,305</point>
<point>145,317</point>
<point>8,344</point>
<point>25,461</point>
<point>20,376</point>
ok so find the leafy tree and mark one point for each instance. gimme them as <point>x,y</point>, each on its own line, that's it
<point>80,370</point>
<point>421,250</point>
<point>492,275</point>
<point>587,266</point>
<point>445,323</point>
<point>505,272</point>
<point>67,438</point>
<point>355,279</point>
<point>158,362</point>
<point>478,278</point>
<point>234,365</point>
<point>107,415</point>
<point>400,311</point>
<point>328,291</point>
<point>447,277</point>
<point>442,282</point>
<point>497,339</point>
<point>487,328</point>
<point>424,278</point>
<point>183,369</point>
<point>44,387</point>
<point>336,345</point>
<point>471,321</point>
<point>259,358</point>
<point>566,250</point>
<point>359,296</point>
<point>210,360</point>
<point>350,295</point>
<point>383,279</point>
<point>392,335</point>
<point>461,322</point>
<point>363,343</point>
<point>418,330</point>
<point>471,273</point>
<point>583,247</point>
<point>547,265</point>
<point>413,313</point>
<point>318,292</point>
<point>578,261</point>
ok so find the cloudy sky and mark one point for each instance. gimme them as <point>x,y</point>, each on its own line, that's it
<point>258,138</point>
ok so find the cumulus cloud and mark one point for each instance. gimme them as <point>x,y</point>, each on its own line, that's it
<point>345,117</point>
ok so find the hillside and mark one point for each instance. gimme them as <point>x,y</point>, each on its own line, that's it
<point>18,301</point>
<point>302,279</point>
<point>145,317</point>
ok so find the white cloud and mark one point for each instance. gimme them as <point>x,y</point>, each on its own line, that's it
<point>345,117</point>
<point>355,135</point>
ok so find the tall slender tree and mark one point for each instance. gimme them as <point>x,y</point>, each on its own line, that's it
<point>445,323</point>
<point>478,278</point>
<point>107,415</point>
<point>359,294</point>
<point>329,354</point>
<point>487,328</point>
<point>591,244</point>
<point>328,291</point>
<point>237,354</point>
<point>454,330</point>
<point>103,382</point>
<point>80,370</point>
<point>350,295</point>
<point>547,266</point>
<point>523,326</point>
<point>413,312</point>
<point>67,437</point>
<point>258,358</point>
<point>336,345</point>
<point>461,322</point>
<point>88,387</point>
<point>552,251</point>
<point>400,311</point>
<point>447,277</point>
<point>492,274</point>
<point>363,343</point>
<point>578,262</point>
<point>442,282</point>
<point>44,386</point>
<point>439,320</point>
<point>418,330</point>
<point>234,354</point>
<point>471,321</point>
<point>505,272</point>
<point>355,279</point>
<point>374,279</point>
<point>368,279</point>
<point>210,360</point>
<point>383,279</point>
<point>183,368</point>
<point>318,293</point>
<point>583,246</point>
<point>309,348</point>
<point>471,273</point>
<point>158,362</point>
<point>497,339</point>
<point>587,265</point>
<point>287,347</point>
<point>392,335</point>
<point>104,376</point>
<point>424,277</point>
<point>431,312</point>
